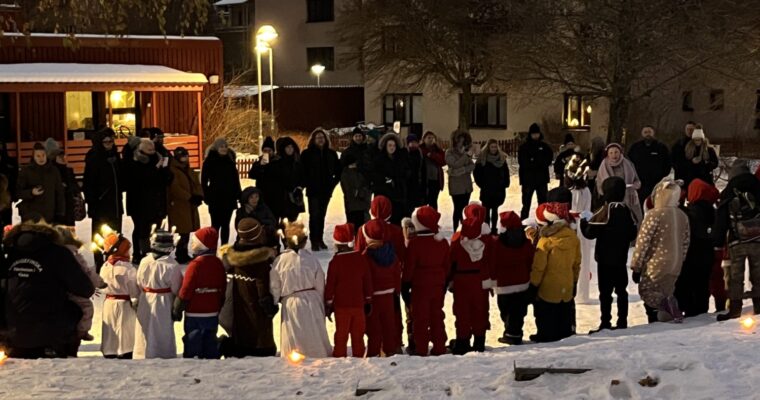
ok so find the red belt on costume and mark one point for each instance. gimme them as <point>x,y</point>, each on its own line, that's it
<point>157,291</point>
<point>117,297</point>
<point>302,290</point>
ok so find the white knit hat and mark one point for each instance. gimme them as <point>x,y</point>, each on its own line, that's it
<point>698,134</point>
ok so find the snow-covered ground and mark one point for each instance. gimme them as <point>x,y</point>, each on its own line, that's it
<point>699,359</point>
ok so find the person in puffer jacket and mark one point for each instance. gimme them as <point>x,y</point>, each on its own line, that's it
<point>554,273</point>
<point>202,296</point>
<point>385,268</point>
<point>470,269</point>
<point>425,277</point>
<point>512,255</point>
<point>660,251</point>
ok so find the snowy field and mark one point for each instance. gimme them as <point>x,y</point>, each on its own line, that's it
<point>700,359</point>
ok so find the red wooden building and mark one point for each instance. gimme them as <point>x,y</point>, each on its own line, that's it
<point>55,86</point>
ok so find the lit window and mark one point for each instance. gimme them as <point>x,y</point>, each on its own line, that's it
<point>122,111</point>
<point>577,113</point>
<point>79,115</point>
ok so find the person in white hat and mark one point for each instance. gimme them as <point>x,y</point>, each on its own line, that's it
<point>702,158</point>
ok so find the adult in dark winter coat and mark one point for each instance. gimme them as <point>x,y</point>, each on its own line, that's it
<point>40,189</point>
<point>693,284</point>
<point>252,206</point>
<point>701,158</point>
<point>356,192</point>
<point>492,176</point>
<point>103,185</point>
<point>435,159</point>
<point>677,153</point>
<point>9,169</point>
<point>156,135</point>
<point>221,186</point>
<point>249,261</point>
<point>733,208</point>
<point>184,196</point>
<point>261,172</point>
<point>416,185</point>
<point>286,169</point>
<point>127,162</point>
<point>319,174</point>
<point>358,150</point>
<point>71,189</point>
<point>459,161</point>
<point>614,229</point>
<point>652,161</point>
<point>534,157</point>
<point>390,174</point>
<point>147,179</point>
<point>595,156</point>
<point>42,273</point>
<point>566,152</point>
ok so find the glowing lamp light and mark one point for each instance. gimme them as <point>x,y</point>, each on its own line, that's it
<point>317,69</point>
<point>3,357</point>
<point>266,33</point>
<point>295,357</point>
<point>588,109</point>
<point>262,47</point>
<point>573,122</point>
<point>748,323</point>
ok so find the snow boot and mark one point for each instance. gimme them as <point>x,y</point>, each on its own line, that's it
<point>756,305</point>
<point>734,311</point>
<point>620,325</point>
<point>460,347</point>
<point>479,344</point>
<point>669,311</point>
<point>315,247</point>
<point>510,340</point>
<point>602,327</point>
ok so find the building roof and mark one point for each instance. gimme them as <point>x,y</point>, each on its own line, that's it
<point>229,2</point>
<point>97,74</point>
<point>105,36</point>
<point>237,91</point>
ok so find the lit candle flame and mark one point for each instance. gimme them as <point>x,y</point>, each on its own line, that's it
<point>3,357</point>
<point>296,357</point>
<point>748,323</point>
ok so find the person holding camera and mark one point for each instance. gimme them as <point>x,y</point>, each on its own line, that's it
<point>40,189</point>
<point>184,196</point>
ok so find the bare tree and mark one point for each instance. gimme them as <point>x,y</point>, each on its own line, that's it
<point>626,50</point>
<point>451,45</point>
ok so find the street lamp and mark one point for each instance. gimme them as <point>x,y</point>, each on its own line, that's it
<point>264,37</point>
<point>317,69</point>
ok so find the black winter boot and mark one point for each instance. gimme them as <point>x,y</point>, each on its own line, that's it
<point>461,347</point>
<point>602,326</point>
<point>479,344</point>
<point>756,305</point>
<point>734,311</point>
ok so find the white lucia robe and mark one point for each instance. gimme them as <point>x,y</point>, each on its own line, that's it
<point>119,317</point>
<point>582,202</point>
<point>298,282</point>
<point>154,333</point>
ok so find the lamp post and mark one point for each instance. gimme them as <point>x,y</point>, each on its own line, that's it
<point>317,69</point>
<point>264,36</point>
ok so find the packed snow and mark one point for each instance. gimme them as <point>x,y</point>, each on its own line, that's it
<point>698,359</point>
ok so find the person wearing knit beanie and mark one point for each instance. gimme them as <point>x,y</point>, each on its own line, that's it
<point>534,158</point>
<point>702,158</point>
<point>159,278</point>
<point>268,145</point>
<point>348,293</point>
<point>250,231</point>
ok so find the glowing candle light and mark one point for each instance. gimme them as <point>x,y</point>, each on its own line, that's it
<point>747,323</point>
<point>295,357</point>
<point>3,357</point>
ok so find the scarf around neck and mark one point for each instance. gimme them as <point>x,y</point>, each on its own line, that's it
<point>605,171</point>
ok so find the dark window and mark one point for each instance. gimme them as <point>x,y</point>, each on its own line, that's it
<point>319,10</point>
<point>405,108</point>
<point>687,101</point>
<point>488,111</point>
<point>716,100</point>
<point>577,113</point>
<point>390,41</point>
<point>321,55</point>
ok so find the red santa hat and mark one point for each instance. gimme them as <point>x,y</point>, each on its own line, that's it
<point>381,208</point>
<point>203,240</point>
<point>540,219</point>
<point>374,230</point>
<point>510,220</point>
<point>471,229</point>
<point>553,212</point>
<point>475,211</point>
<point>426,218</point>
<point>344,234</point>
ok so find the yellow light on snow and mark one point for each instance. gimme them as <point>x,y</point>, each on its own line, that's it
<point>3,357</point>
<point>295,357</point>
<point>748,323</point>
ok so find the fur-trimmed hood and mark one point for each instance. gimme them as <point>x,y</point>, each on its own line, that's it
<point>388,137</point>
<point>244,256</point>
<point>314,133</point>
<point>29,237</point>
<point>284,142</point>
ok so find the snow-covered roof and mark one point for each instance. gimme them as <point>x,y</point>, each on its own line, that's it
<point>229,2</point>
<point>237,91</point>
<point>97,73</point>
<point>98,36</point>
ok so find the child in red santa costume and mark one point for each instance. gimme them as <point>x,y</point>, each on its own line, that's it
<point>470,260</point>
<point>385,267</point>
<point>381,209</point>
<point>512,255</point>
<point>202,296</point>
<point>425,278</point>
<point>348,293</point>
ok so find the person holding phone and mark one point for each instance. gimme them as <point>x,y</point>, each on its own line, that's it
<point>40,189</point>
